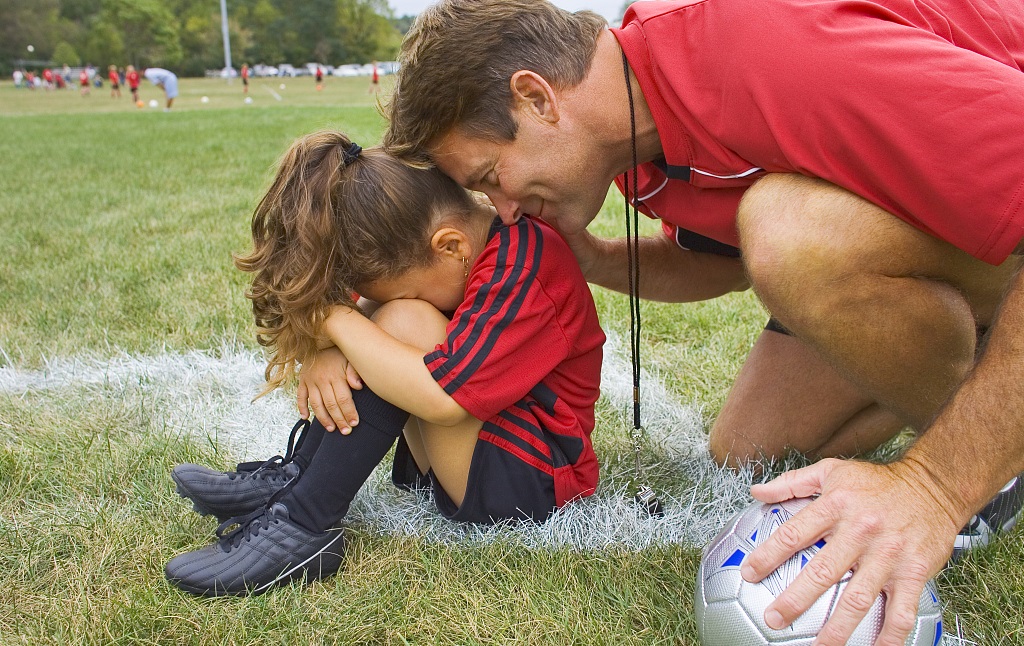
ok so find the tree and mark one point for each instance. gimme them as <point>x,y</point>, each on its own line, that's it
<point>186,35</point>
<point>367,31</point>
<point>148,30</point>
<point>104,44</point>
<point>24,23</point>
<point>65,54</point>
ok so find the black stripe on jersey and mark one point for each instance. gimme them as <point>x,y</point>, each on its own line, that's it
<point>545,396</point>
<point>565,449</point>
<point>503,305</point>
<point>501,266</point>
<point>523,445</point>
<point>506,304</point>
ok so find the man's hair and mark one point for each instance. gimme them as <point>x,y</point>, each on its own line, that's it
<point>329,224</point>
<point>459,57</point>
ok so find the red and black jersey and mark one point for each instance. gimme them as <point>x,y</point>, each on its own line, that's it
<point>523,353</point>
<point>915,105</point>
<point>132,78</point>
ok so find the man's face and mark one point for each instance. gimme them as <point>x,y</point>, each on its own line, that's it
<point>545,171</point>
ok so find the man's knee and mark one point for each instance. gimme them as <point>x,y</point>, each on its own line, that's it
<point>780,228</point>
<point>412,321</point>
<point>723,450</point>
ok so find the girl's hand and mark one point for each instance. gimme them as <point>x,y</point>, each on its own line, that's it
<point>325,386</point>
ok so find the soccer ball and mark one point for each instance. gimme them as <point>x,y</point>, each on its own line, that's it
<point>248,99</point>
<point>205,99</point>
<point>153,103</point>
<point>140,104</point>
<point>730,611</point>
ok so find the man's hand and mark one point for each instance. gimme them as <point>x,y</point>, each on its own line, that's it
<point>891,524</point>
<point>325,385</point>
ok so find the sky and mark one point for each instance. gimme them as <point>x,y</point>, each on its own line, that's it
<point>607,8</point>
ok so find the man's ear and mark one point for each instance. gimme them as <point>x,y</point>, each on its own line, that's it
<point>530,92</point>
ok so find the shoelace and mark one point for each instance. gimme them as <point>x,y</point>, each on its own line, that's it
<point>248,526</point>
<point>271,468</point>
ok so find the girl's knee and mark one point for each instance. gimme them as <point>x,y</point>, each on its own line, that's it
<point>412,321</point>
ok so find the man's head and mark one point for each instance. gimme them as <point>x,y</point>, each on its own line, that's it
<point>458,58</point>
<point>475,76</point>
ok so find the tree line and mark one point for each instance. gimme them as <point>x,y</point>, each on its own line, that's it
<point>185,35</point>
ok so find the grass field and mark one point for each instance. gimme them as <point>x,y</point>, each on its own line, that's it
<point>118,226</point>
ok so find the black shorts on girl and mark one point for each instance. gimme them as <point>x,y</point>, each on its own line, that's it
<point>500,487</point>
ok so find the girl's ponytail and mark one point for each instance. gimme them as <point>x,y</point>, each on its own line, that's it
<point>335,217</point>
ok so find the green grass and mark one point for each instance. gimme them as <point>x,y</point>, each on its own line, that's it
<point>118,229</point>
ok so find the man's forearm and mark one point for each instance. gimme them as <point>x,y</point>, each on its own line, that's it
<point>976,444</point>
<point>667,273</point>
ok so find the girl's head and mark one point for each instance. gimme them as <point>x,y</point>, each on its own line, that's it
<point>333,221</point>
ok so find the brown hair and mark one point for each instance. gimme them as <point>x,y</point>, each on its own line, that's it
<point>460,55</point>
<point>326,227</point>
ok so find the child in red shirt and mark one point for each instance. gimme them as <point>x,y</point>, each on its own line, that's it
<point>83,81</point>
<point>131,77</point>
<point>485,334</point>
<point>115,82</point>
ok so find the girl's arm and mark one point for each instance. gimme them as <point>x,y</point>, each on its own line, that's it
<point>326,383</point>
<point>393,369</point>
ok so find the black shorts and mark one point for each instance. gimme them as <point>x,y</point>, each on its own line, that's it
<point>695,242</point>
<point>773,325</point>
<point>500,487</point>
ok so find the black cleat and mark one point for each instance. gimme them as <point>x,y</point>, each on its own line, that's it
<point>265,550</point>
<point>999,515</point>
<point>229,494</point>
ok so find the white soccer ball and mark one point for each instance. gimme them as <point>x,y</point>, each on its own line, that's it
<point>153,103</point>
<point>248,99</point>
<point>281,86</point>
<point>730,611</point>
<point>205,99</point>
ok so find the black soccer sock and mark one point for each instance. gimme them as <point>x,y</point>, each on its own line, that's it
<point>308,444</point>
<point>342,463</point>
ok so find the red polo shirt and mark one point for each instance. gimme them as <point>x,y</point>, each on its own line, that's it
<point>916,105</point>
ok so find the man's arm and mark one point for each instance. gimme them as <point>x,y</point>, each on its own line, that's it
<point>897,522</point>
<point>667,273</point>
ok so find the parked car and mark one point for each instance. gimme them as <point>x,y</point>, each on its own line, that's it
<point>348,70</point>
<point>264,70</point>
<point>284,69</point>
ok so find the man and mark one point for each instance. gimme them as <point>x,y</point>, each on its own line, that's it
<point>166,81</point>
<point>866,169</point>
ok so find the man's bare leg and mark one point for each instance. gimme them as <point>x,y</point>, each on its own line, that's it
<point>786,398</point>
<point>893,309</point>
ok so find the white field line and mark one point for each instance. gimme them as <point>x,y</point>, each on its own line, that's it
<point>208,396</point>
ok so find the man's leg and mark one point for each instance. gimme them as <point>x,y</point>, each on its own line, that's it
<point>786,398</point>
<point>892,309</point>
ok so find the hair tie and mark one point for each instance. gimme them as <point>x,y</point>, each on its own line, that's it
<point>350,154</point>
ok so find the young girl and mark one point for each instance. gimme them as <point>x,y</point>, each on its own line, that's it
<point>486,334</point>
